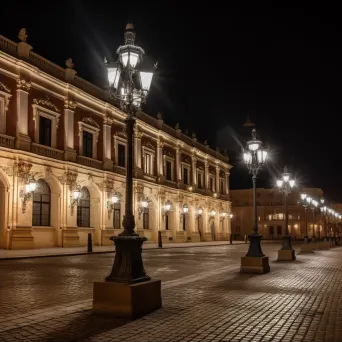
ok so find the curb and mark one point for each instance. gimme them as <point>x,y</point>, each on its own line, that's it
<point>106,252</point>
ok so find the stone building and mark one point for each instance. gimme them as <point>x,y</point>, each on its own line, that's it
<point>63,157</point>
<point>271,216</point>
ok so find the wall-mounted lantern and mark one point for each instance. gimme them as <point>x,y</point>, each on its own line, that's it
<point>27,194</point>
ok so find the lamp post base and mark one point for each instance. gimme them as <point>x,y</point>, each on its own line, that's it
<point>127,292</point>
<point>286,253</point>
<point>160,241</point>
<point>255,261</point>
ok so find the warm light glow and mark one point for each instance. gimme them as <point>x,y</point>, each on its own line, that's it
<point>253,146</point>
<point>303,196</point>
<point>27,188</point>
<point>247,157</point>
<point>185,209</point>
<point>212,212</point>
<point>200,211</point>
<point>296,225</point>
<point>113,77</point>
<point>292,183</point>
<point>315,203</point>
<point>146,79</point>
<point>131,56</point>
<point>144,203</point>
<point>167,206</point>
<point>223,214</point>
<point>308,199</point>
<point>115,199</point>
<point>231,216</point>
<point>190,188</point>
<point>322,200</point>
<point>76,194</point>
<point>286,177</point>
<point>261,156</point>
<point>279,183</point>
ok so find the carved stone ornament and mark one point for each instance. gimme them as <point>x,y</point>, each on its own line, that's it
<point>69,63</point>
<point>159,116</point>
<point>161,144</point>
<point>91,121</point>
<point>169,154</point>
<point>180,198</point>
<point>70,104</point>
<point>46,103</point>
<point>69,178</point>
<point>107,185</point>
<point>107,121</point>
<point>23,170</point>
<point>177,126</point>
<point>121,133</point>
<point>23,84</point>
<point>150,146</point>
<point>139,189</point>
<point>4,88</point>
<point>186,159</point>
<point>8,170</point>
<point>138,135</point>
<point>193,136</point>
<point>22,35</point>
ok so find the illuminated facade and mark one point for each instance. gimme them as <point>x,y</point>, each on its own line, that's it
<point>63,157</point>
<point>271,216</point>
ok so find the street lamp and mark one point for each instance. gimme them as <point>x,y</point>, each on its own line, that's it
<point>254,157</point>
<point>285,185</point>
<point>305,199</point>
<point>129,86</point>
<point>324,211</point>
<point>313,206</point>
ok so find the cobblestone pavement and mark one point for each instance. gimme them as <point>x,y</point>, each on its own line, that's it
<point>205,298</point>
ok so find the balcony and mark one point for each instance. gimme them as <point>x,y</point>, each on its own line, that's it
<point>47,151</point>
<point>6,141</point>
<point>96,164</point>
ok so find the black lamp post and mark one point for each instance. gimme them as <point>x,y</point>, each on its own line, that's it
<point>129,87</point>
<point>305,200</point>
<point>313,207</point>
<point>255,157</point>
<point>285,185</point>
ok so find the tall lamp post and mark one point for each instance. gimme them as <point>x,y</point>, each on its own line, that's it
<point>305,200</point>
<point>255,157</point>
<point>324,213</point>
<point>129,87</point>
<point>313,207</point>
<point>285,185</point>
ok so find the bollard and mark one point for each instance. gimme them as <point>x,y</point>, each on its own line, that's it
<point>90,243</point>
<point>246,240</point>
<point>231,239</point>
<point>160,241</point>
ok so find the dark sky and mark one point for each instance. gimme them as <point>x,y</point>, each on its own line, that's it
<point>216,65</point>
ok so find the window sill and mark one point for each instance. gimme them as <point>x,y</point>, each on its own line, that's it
<point>43,227</point>
<point>149,177</point>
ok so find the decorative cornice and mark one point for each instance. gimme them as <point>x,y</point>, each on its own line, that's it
<point>46,103</point>
<point>90,121</point>
<point>23,170</point>
<point>150,146</point>
<point>8,170</point>
<point>169,154</point>
<point>23,84</point>
<point>121,133</point>
<point>4,88</point>
<point>70,104</point>
<point>69,178</point>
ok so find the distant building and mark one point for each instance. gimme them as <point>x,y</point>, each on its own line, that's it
<point>271,217</point>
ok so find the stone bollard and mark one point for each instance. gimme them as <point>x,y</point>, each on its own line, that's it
<point>90,243</point>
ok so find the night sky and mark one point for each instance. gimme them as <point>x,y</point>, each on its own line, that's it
<point>216,67</point>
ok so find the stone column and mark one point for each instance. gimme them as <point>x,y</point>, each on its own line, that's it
<point>160,162</point>
<point>107,144</point>
<point>138,172</point>
<point>206,176</point>
<point>227,182</point>
<point>217,187</point>
<point>194,170</point>
<point>178,166</point>
<point>69,144</point>
<point>22,141</point>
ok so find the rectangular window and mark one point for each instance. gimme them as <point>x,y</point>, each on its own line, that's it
<point>186,175</point>
<point>121,155</point>
<point>184,223</point>
<point>222,186</point>
<point>279,229</point>
<point>167,222</point>
<point>87,144</point>
<point>200,180</point>
<point>212,183</point>
<point>271,230</point>
<point>148,164</point>
<point>116,216</point>
<point>168,170</point>
<point>44,131</point>
<point>146,220</point>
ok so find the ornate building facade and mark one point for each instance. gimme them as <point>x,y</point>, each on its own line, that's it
<point>63,158</point>
<point>271,216</point>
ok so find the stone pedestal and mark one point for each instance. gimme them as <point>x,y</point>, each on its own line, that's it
<point>21,238</point>
<point>108,165</point>
<point>23,142</point>
<point>127,300</point>
<point>324,245</point>
<point>255,265</point>
<point>70,155</point>
<point>306,248</point>
<point>286,255</point>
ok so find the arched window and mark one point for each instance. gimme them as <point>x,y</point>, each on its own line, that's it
<point>83,209</point>
<point>41,204</point>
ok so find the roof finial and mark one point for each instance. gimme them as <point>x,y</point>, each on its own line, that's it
<point>129,34</point>
<point>22,35</point>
